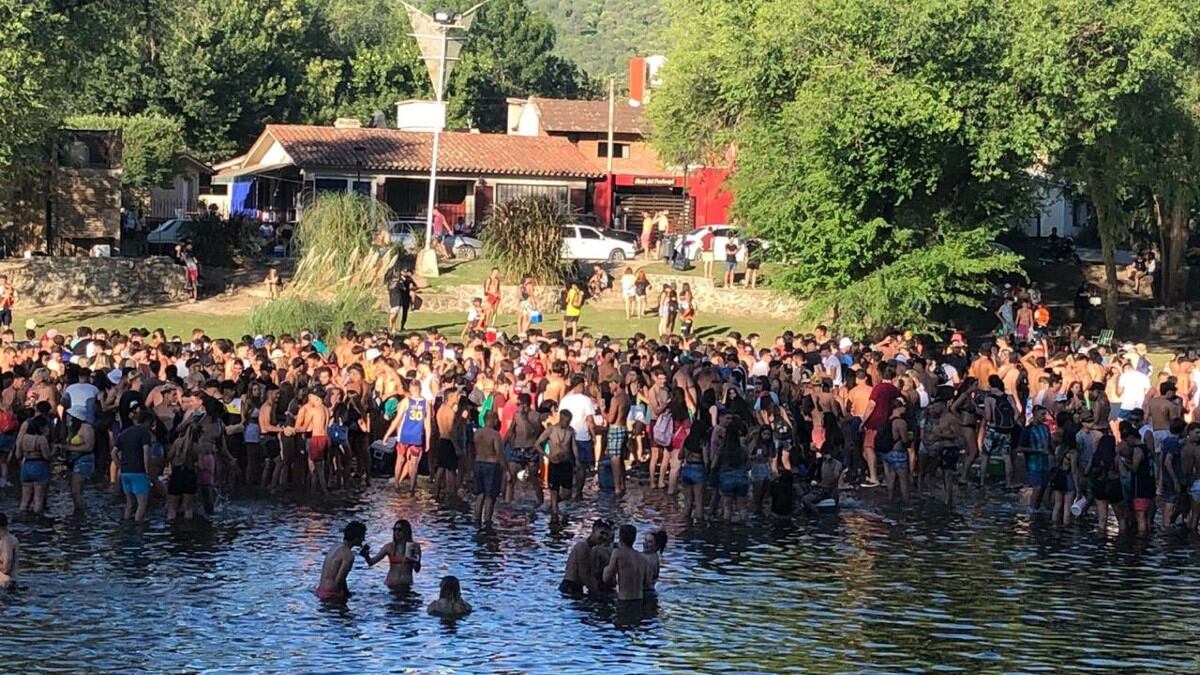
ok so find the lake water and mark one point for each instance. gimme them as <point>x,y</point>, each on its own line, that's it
<point>978,589</point>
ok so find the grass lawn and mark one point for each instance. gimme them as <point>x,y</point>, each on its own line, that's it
<point>172,320</point>
<point>180,321</point>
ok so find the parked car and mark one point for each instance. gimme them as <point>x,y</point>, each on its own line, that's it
<point>584,242</point>
<point>171,233</point>
<point>406,233</point>
<point>721,236</point>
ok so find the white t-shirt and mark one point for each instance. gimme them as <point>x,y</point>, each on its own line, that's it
<point>760,369</point>
<point>1134,384</point>
<point>582,408</point>
<point>833,363</point>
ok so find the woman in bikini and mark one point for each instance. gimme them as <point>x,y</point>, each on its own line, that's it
<point>33,451</point>
<point>404,557</point>
<point>81,441</point>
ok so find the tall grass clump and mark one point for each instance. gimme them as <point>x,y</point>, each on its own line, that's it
<point>524,236</point>
<point>341,269</point>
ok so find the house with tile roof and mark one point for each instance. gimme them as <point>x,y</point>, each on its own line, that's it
<point>636,180</point>
<point>287,163</point>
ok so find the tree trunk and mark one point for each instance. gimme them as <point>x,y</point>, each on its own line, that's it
<point>1175,271</point>
<point>1108,220</point>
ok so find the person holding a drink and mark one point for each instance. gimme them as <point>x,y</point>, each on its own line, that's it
<point>403,554</point>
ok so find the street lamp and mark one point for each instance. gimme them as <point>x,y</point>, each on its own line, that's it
<point>439,51</point>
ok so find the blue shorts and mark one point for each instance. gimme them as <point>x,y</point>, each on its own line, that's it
<point>487,479</point>
<point>731,266</point>
<point>7,443</point>
<point>587,453</point>
<point>35,471</point>
<point>760,471</point>
<point>1123,414</point>
<point>137,484</point>
<point>734,483</point>
<point>1038,478</point>
<point>896,460</point>
<point>692,473</point>
<point>84,465</point>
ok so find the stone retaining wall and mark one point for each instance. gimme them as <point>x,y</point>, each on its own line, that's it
<point>51,280</point>
<point>710,299</point>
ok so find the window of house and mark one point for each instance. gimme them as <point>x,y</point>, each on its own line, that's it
<point>620,150</point>
<point>506,192</point>
<point>207,187</point>
<point>330,185</point>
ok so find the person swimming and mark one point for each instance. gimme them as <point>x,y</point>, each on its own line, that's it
<point>450,603</point>
<point>338,563</point>
<point>403,554</point>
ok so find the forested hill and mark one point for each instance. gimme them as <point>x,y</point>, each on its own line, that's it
<point>601,35</point>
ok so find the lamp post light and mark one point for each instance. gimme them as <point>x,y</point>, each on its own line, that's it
<point>439,50</point>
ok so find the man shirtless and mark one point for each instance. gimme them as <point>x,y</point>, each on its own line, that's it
<point>628,568</point>
<point>614,417</point>
<point>338,562</point>
<point>448,451</point>
<point>556,382</point>
<point>562,457</point>
<point>313,419</point>
<point>580,573</point>
<point>827,483</point>
<point>489,468</point>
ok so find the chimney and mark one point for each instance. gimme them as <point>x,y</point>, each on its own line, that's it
<point>637,80</point>
<point>347,123</point>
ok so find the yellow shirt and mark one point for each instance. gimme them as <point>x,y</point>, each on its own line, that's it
<point>574,302</point>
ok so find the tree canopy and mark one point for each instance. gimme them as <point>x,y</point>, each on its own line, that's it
<point>224,68</point>
<point>881,145</point>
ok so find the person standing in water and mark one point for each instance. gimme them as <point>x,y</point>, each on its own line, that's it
<point>403,554</point>
<point>490,467</point>
<point>450,603</point>
<point>338,562</point>
<point>628,568</point>
<point>580,573</point>
<point>9,547</point>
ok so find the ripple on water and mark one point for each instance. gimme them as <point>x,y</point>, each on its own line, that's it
<point>868,590</point>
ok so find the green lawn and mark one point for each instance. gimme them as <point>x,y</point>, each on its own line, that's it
<point>173,321</point>
<point>611,322</point>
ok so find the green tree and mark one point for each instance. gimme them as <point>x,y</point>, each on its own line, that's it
<point>150,145</point>
<point>1112,85</point>
<point>878,144</point>
<point>31,75</point>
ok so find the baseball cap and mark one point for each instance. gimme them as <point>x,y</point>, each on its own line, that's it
<point>845,343</point>
<point>115,375</point>
<point>372,354</point>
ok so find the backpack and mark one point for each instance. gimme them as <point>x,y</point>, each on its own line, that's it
<point>8,421</point>
<point>664,430</point>
<point>1004,415</point>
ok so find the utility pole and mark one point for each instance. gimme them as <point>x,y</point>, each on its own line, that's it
<point>612,109</point>
<point>430,32</point>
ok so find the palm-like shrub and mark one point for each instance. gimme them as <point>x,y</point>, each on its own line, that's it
<point>524,236</point>
<point>340,270</point>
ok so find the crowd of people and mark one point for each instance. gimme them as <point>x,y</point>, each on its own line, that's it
<point>736,427</point>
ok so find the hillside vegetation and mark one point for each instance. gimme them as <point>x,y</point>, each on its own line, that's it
<point>601,35</point>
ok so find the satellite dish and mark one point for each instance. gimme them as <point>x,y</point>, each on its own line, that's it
<point>378,120</point>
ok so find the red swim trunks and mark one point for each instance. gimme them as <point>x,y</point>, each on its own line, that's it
<point>493,299</point>
<point>318,446</point>
<point>193,275</point>
<point>412,450</point>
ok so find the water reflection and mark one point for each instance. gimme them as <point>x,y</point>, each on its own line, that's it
<point>985,587</point>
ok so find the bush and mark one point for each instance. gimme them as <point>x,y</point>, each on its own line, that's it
<point>524,236</point>
<point>225,240</point>
<point>339,272</point>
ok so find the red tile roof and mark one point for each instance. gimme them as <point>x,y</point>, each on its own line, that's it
<point>460,152</point>
<point>570,116</point>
